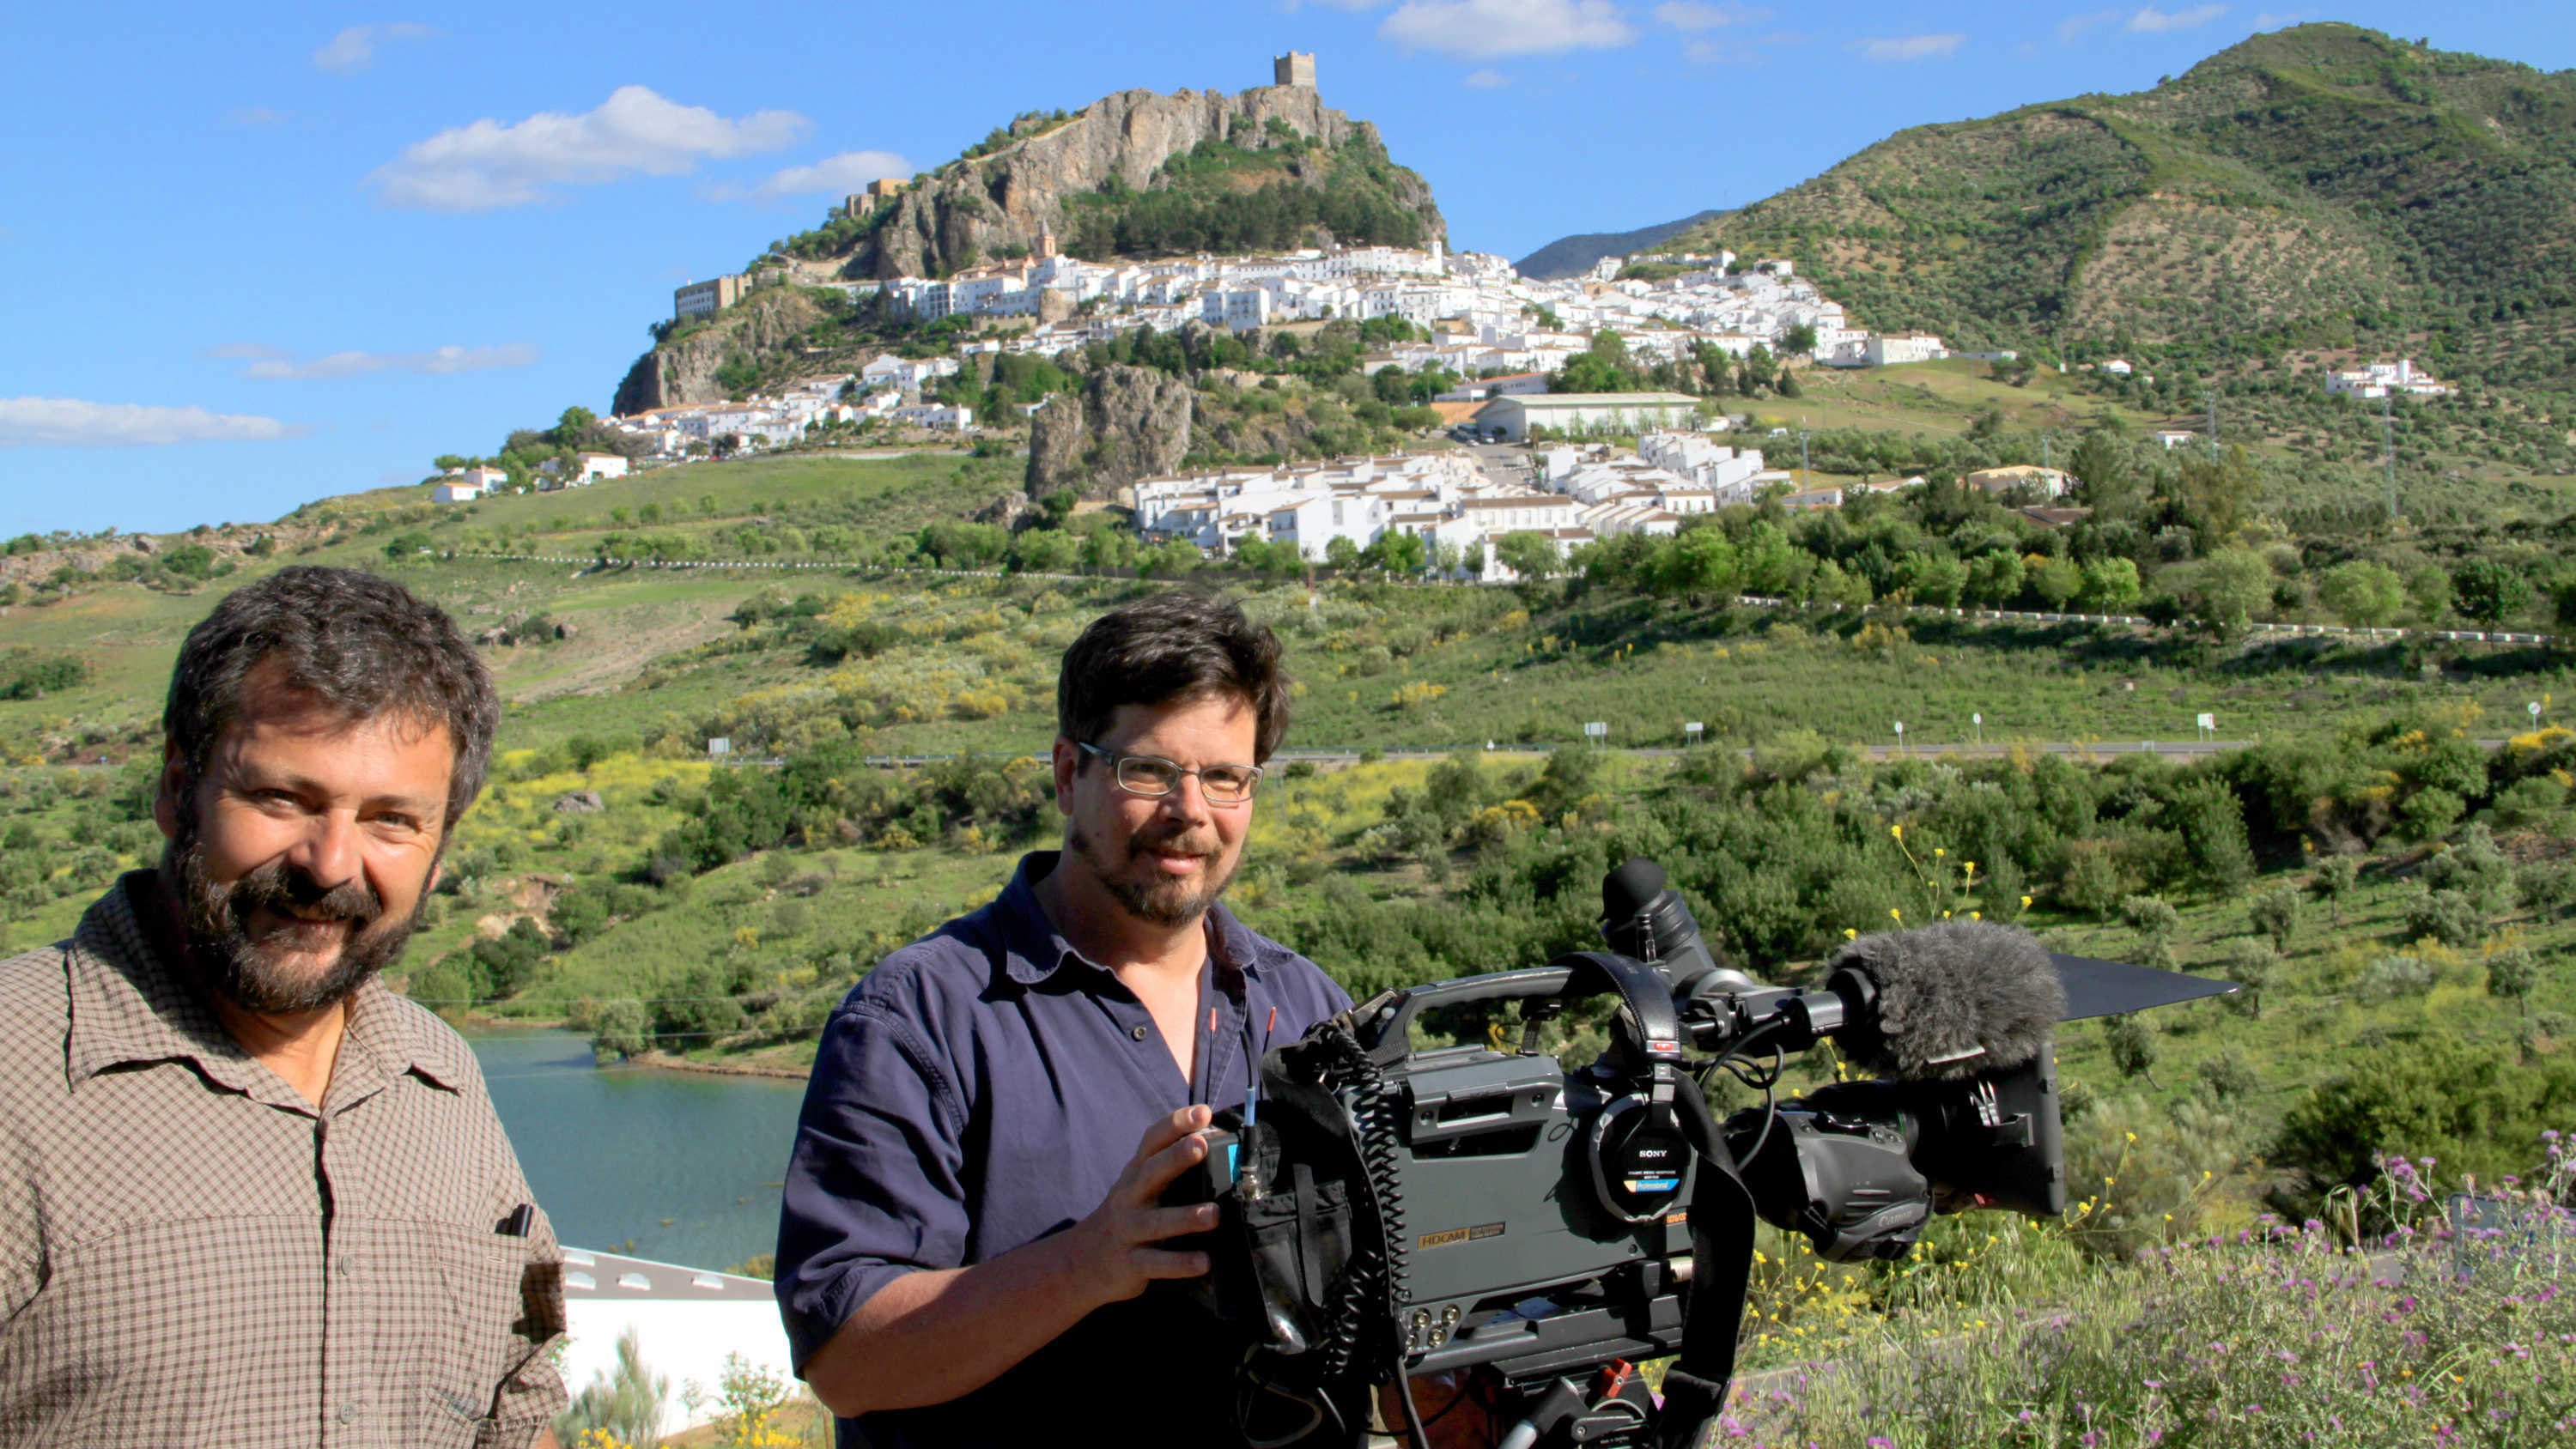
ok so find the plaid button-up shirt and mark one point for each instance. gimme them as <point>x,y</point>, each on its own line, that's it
<point>190,1253</point>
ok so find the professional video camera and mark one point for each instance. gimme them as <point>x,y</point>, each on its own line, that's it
<point>1394,1208</point>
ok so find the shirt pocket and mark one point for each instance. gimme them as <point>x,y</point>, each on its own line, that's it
<point>467,1344</point>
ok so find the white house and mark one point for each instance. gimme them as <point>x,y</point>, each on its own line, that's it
<point>935,416</point>
<point>468,484</point>
<point>1579,412</point>
<point>594,466</point>
<point>1901,347</point>
<point>908,374</point>
<point>2379,379</point>
<point>2046,482</point>
<point>1310,524</point>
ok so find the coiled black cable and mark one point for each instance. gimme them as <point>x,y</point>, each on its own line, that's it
<point>1378,1269</point>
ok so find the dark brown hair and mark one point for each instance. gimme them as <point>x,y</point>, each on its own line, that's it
<point>1172,646</point>
<point>364,646</point>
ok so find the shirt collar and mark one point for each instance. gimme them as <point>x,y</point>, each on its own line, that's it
<point>131,1006</point>
<point>1033,949</point>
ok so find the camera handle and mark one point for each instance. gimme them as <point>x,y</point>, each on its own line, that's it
<point>1644,991</point>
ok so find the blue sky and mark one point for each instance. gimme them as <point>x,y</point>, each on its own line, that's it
<point>261,256</point>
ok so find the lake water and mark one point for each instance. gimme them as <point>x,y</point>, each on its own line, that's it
<point>680,1167</point>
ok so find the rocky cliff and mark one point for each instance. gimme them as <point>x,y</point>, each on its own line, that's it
<point>683,369</point>
<point>1129,423</point>
<point>985,206</point>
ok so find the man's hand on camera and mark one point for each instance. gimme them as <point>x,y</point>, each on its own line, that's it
<point>1114,1248</point>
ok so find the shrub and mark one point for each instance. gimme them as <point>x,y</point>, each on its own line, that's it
<point>2469,1107</point>
<point>2430,814</point>
<point>2393,978</point>
<point>2253,965</point>
<point>2512,974</point>
<point>2229,1077</point>
<point>2449,917</point>
<point>25,674</point>
<point>2133,1047</point>
<point>620,1028</point>
<point>2550,889</point>
<point>509,961</point>
<point>2333,877</point>
<point>2275,913</point>
<point>2474,868</point>
<point>2151,917</point>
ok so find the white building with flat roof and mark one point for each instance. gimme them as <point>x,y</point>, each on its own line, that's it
<point>2380,379</point>
<point>686,1323</point>
<point>1512,416</point>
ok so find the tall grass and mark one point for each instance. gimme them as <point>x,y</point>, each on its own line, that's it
<point>2436,1332</point>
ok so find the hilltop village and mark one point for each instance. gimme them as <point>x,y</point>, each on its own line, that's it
<point>1468,314</point>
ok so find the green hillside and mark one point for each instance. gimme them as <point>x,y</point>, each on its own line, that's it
<point>2320,186</point>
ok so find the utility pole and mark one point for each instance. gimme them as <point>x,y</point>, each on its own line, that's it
<point>2388,449</point>
<point>1802,455</point>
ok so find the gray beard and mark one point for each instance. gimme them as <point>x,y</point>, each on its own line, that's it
<point>1167,903</point>
<point>241,968</point>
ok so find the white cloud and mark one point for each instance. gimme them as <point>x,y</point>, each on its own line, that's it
<point>834,175</point>
<point>2072,28</point>
<point>1293,6</point>
<point>268,363</point>
<point>488,165</point>
<point>2151,21</point>
<point>1483,29</point>
<point>2275,19</point>
<point>62,422</point>
<point>1485,80</point>
<point>354,49</point>
<point>1908,47</point>
<point>1694,15</point>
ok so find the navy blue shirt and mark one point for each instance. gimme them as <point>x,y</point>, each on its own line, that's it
<point>982,1089</point>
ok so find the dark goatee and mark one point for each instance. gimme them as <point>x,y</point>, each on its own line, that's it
<point>1164,903</point>
<point>244,969</point>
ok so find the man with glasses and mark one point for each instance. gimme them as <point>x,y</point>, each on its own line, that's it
<point>971,1221</point>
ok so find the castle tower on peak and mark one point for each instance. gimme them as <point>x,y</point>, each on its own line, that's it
<point>1296,68</point>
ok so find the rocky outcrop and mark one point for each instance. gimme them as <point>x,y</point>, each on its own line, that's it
<point>1129,423</point>
<point>989,204</point>
<point>684,370</point>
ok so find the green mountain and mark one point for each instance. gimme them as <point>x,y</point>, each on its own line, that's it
<point>1571,255</point>
<point>2317,186</point>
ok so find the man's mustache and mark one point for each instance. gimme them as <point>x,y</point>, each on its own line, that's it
<point>286,890</point>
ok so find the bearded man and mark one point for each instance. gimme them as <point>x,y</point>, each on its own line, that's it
<point>971,1219</point>
<point>248,1195</point>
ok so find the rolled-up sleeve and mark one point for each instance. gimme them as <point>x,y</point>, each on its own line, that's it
<point>875,1184</point>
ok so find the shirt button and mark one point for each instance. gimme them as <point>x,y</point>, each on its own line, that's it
<point>345,1266</point>
<point>1138,1033</point>
<point>349,1412</point>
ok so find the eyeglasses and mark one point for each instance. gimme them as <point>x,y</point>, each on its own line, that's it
<point>1154,777</point>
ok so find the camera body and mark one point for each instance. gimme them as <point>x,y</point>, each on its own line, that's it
<point>1394,1206</point>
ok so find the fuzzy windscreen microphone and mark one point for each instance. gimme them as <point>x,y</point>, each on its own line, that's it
<point>1954,999</point>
